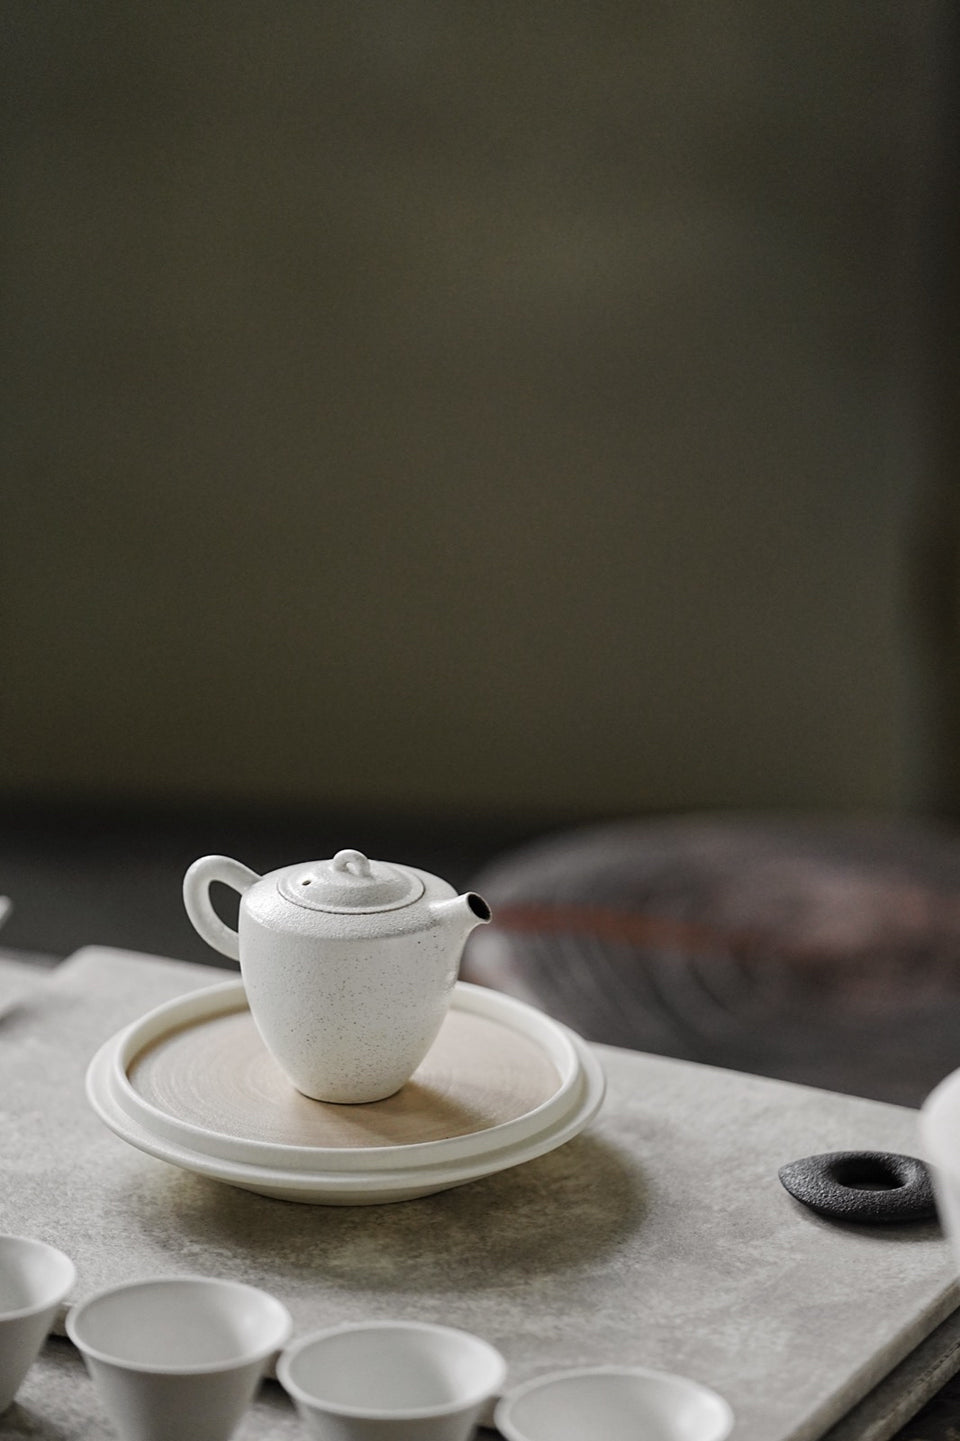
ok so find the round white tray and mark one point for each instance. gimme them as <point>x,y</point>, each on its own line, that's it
<point>192,1084</point>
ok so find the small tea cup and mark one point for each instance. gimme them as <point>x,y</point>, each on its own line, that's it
<point>34,1280</point>
<point>939,1132</point>
<point>406,1380</point>
<point>613,1403</point>
<point>178,1358</point>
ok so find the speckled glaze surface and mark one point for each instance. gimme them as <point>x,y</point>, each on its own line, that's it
<point>348,1020</point>
<point>349,965</point>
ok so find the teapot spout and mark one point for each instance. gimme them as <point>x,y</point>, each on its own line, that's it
<point>462,913</point>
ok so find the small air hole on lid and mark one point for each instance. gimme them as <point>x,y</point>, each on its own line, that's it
<point>307,882</point>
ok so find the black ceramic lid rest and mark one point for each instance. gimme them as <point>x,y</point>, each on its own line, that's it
<point>868,1187</point>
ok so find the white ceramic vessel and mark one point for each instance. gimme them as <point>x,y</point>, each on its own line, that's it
<point>613,1403</point>
<point>348,964</point>
<point>34,1279</point>
<point>940,1140</point>
<point>407,1380</point>
<point>522,1083</point>
<point>178,1358</point>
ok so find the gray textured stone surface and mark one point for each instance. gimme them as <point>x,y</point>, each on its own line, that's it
<point>898,1398</point>
<point>661,1236</point>
<point>17,981</point>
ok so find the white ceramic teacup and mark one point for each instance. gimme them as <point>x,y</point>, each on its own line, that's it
<point>940,1138</point>
<point>34,1279</point>
<point>613,1403</point>
<point>406,1380</point>
<point>178,1358</point>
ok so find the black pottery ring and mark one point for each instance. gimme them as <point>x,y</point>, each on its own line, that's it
<point>869,1187</point>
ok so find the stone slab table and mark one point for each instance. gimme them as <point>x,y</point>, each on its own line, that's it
<point>661,1236</point>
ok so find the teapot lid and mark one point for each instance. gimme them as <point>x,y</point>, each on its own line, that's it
<point>350,882</point>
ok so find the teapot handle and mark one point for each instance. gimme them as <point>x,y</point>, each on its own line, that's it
<point>196,898</point>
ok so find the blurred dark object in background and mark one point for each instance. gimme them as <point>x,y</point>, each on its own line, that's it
<point>819,950</point>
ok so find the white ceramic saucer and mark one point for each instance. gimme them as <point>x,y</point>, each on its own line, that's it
<point>193,1084</point>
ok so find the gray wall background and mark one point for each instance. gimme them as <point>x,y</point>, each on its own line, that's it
<point>469,407</point>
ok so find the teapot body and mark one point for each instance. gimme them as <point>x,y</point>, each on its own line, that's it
<point>348,965</point>
<point>349,1013</point>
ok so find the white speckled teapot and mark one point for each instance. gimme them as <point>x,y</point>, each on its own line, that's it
<point>348,964</point>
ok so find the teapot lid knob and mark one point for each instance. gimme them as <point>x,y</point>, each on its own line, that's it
<point>352,861</point>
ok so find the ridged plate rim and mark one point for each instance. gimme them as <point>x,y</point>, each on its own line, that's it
<point>400,1172</point>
